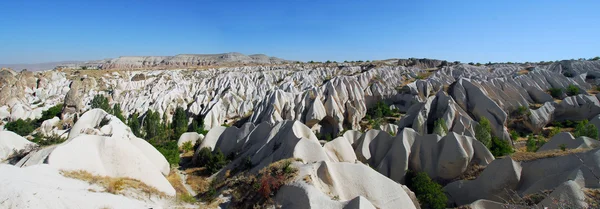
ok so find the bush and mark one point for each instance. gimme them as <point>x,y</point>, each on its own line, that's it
<point>187,146</point>
<point>483,132</point>
<point>562,147</point>
<point>217,161</point>
<point>553,132</point>
<point>596,58</point>
<point>584,128</point>
<point>379,110</point>
<point>533,143</point>
<point>51,113</point>
<point>568,74</point>
<point>521,111</point>
<point>213,162</point>
<point>572,90</point>
<point>101,102</point>
<point>555,92</point>
<point>514,135</point>
<point>440,127</point>
<point>428,192</point>
<point>47,140</point>
<point>21,127</point>
<point>500,147</point>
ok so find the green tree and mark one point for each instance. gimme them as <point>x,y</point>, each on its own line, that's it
<point>101,102</point>
<point>429,193</point>
<point>20,126</point>
<point>152,125</point>
<point>179,124</point>
<point>51,113</point>
<point>584,128</point>
<point>572,90</point>
<point>134,124</point>
<point>116,111</point>
<point>596,58</point>
<point>440,127</point>
<point>217,161</point>
<point>483,132</point>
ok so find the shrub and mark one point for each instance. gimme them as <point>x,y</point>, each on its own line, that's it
<point>483,132</point>
<point>584,128</point>
<point>115,186</point>
<point>553,132</point>
<point>187,198</point>
<point>568,74</point>
<point>428,192</point>
<point>379,110</point>
<point>47,140</point>
<point>533,143</point>
<point>217,161</point>
<point>51,113</point>
<point>521,111</point>
<point>514,135</point>
<point>20,126</point>
<point>204,156</point>
<point>101,102</point>
<point>500,147</point>
<point>562,147</point>
<point>440,127</point>
<point>572,90</point>
<point>555,92</point>
<point>187,146</point>
<point>596,58</point>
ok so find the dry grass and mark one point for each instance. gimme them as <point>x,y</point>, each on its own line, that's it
<point>523,72</point>
<point>175,181</point>
<point>112,184</point>
<point>472,172</point>
<point>530,156</point>
<point>198,182</point>
<point>592,197</point>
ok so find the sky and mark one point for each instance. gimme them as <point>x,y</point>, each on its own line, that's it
<point>35,31</point>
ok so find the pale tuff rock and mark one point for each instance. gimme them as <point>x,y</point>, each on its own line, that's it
<point>11,143</point>
<point>36,187</point>
<point>368,190</point>
<point>111,150</point>
<point>504,176</point>
<point>191,137</point>
<point>569,142</point>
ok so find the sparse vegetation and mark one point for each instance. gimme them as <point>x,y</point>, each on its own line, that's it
<point>112,184</point>
<point>529,156</point>
<point>47,140</point>
<point>187,146</point>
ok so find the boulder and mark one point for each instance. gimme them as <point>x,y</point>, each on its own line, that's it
<point>192,137</point>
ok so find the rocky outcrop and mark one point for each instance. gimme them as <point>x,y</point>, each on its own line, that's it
<point>503,178</point>
<point>11,143</point>
<point>106,150</point>
<point>569,142</point>
<point>178,61</point>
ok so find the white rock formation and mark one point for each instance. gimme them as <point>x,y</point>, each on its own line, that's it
<point>10,143</point>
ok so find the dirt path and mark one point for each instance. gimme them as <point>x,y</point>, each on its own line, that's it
<point>183,177</point>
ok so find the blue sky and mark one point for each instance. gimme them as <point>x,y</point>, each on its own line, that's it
<point>33,31</point>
